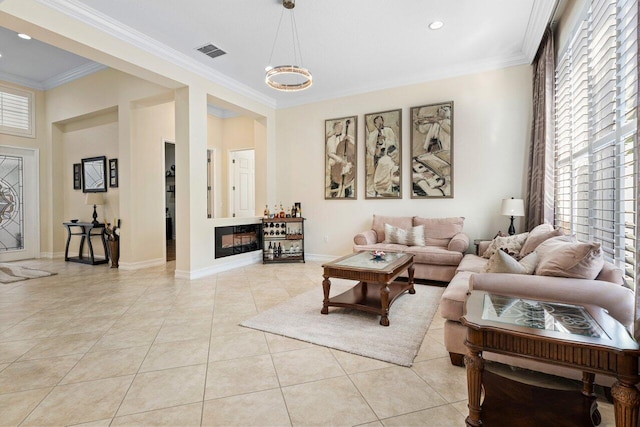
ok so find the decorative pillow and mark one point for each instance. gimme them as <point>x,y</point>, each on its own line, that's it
<point>414,236</point>
<point>511,244</point>
<point>562,258</point>
<point>502,262</point>
<point>538,235</point>
<point>404,222</point>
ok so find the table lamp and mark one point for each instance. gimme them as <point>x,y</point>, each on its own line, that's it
<point>512,207</point>
<point>94,199</point>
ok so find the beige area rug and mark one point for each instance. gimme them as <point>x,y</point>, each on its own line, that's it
<point>355,331</point>
<point>10,273</point>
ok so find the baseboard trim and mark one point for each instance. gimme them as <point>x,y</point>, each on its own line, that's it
<point>128,266</point>
<point>222,264</point>
<point>321,257</point>
<point>51,255</point>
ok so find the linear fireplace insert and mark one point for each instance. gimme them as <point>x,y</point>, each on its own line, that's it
<point>237,239</point>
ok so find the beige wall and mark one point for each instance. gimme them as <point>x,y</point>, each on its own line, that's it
<point>119,116</point>
<point>232,134</point>
<point>151,125</point>
<point>492,113</point>
<point>90,137</point>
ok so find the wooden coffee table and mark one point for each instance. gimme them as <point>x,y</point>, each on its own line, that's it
<point>585,338</point>
<point>376,289</point>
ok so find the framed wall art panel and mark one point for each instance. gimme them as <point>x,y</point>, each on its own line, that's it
<point>432,151</point>
<point>383,156</point>
<point>340,177</point>
<point>77,176</point>
<point>113,173</point>
<point>94,172</point>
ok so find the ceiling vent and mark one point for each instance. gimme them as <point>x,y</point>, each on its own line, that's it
<point>211,50</point>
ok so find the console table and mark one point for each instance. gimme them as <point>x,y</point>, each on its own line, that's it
<point>83,229</point>
<point>585,338</point>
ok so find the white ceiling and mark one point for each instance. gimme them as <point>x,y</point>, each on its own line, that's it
<point>350,46</point>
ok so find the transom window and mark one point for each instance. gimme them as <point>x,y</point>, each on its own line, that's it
<point>16,112</point>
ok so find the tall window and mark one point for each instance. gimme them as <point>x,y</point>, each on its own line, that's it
<point>16,112</point>
<point>596,133</point>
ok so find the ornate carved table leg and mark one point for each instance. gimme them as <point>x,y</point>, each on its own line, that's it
<point>475,368</point>
<point>626,402</point>
<point>384,302</point>
<point>590,397</point>
<point>412,290</point>
<point>326,286</point>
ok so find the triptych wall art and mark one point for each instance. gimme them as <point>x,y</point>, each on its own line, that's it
<point>431,153</point>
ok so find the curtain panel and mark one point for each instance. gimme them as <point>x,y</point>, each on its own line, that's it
<point>539,201</point>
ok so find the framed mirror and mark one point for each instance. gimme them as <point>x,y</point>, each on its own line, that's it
<point>94,172</point>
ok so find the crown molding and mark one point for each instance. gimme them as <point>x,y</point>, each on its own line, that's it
<point>22,81</point>
<point>541,13</point>
<point>463,69</point>
<point>75,73</point>
<point>106,24</point>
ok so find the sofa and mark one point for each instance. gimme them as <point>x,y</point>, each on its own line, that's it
<point>606,290</point>
<point>438,244</point>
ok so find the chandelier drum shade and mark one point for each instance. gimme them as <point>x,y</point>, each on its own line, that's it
<point>288,78</point>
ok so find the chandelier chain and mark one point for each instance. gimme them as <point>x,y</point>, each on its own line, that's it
<point>273,48</point>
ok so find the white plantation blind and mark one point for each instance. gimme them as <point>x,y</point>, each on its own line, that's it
<point>16,112</point>
<point>596,133</point>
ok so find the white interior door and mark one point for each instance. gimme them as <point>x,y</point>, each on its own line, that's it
<point>242,183</point>
<point>19,210</point>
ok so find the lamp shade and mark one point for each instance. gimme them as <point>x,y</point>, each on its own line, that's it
<point>94,199</point>
<point>512,207</point>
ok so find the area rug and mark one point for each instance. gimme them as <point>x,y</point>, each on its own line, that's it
<point>10,273</point>
<point>355,331</point>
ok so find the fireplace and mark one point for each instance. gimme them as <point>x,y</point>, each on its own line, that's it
<point>237,239</point>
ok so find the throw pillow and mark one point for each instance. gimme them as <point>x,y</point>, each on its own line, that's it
<point>511,244</point>
<point>562,258</point>
<point>538,235</point>
<point>502,262</point>
<point>411,237</point>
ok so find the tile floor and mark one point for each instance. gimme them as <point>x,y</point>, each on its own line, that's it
<point>98,346</point>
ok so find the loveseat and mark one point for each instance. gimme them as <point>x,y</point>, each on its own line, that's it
<point>438,244</point>
<point>606,290</point>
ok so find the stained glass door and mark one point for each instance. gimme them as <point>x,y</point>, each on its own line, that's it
<point>18,192</point>
<point>11,203</point>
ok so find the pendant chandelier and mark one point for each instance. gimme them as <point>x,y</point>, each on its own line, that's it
<point>288,78</point>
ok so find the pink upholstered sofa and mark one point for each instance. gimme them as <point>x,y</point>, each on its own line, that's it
<point>607,290</point>
<point>438,259</point>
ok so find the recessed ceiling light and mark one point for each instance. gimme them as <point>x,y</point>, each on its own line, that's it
<point>24,36</point>
<point>436,25</point>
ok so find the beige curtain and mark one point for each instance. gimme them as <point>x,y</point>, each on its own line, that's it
<point>539,202</point>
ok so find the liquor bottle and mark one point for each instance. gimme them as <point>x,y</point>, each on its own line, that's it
<point>275,211</point>
<point>293,211</point>
<point>281,211</point>
<point>279,250</point>
<point>266,211</point>
<point>269,252</point>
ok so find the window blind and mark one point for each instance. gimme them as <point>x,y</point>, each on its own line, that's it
<point>596,133</point>
<point>16,112</point>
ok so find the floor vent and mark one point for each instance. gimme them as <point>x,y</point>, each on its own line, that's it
<point>211,50</point>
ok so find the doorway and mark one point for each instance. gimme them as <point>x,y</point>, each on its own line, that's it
<point>242,183</point>
<point>19,209</point>
<point>170,198</point>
